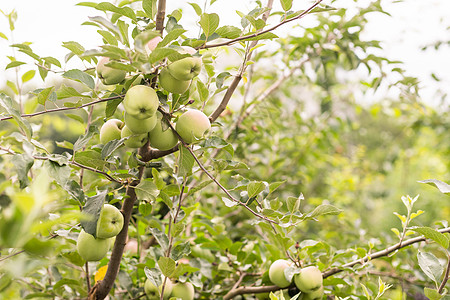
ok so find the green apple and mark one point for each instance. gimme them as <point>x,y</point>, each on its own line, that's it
<point>90,248</point>
<point>185,68</point>
<point>309,279</point>
<point>109,75</point>
<point>184,291</point>
<point>316,295</point>
<point>162,139</point>
<point>171,84</point>
<point>154,293</point>
<point>192,125</point>
<point>134,140</point>
<point>110,222</point>
<point>141,102</point>
<point>276,273</point>
<point>110,130</point>
<point>140,126</point>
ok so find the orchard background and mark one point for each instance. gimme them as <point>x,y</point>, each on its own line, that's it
<point>319,150</point>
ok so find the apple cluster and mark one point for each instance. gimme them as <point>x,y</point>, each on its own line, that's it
<point>109,224</point>
<point>142,121</point>
<point>309,280</point>
<point>179,290</point>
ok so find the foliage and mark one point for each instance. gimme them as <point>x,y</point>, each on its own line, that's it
<point>297,166</point>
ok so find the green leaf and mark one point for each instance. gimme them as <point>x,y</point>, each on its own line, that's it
<point>185,162</point>
<point>432,294</point>
<point>68,92</point>
<point>209,23</point>
<point>22,164</point>
<point>149,7</point>
<point>83,140</point>
<point>92,211</point>
<point>45,94</point>
<point>146,190</point>
<point>52,60</point>
<point>110,147</point>
<point>111,106</point>
<point>229,32</point>
<point>166,265</point>
<point>75,47</point>
<point>203,91</point>
<point>286,4</point>
<point>197,8</point>
<point>161,238</point>
<point>90,158</point>
<point>14,64</point>
<point>3,36</point>
<point>293,203</point>
<point>254,188</point>
<point>80,76</point>
<point>7,103</point>
<point>27,76</point>
<point>60,173</point>
<point>145,208</point>
<point>324,209</point>
<point>108,25</point>
<point>430,265</point>
<point>161,53</point>
<point>124,11</point>
<point>264,36</point>
<point>173,35</point>
<point>433,234</point>
<point>180,250</point>
<point>441,186</point>
<point>154,275</point>
<point>229,202</point>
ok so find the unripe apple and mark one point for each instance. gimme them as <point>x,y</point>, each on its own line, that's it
<point>110,130</point>
<point>151,45</point>
<point>90,248</point>
<point>140,126</point>
<point>184,291</point>
<point>276,273</point>
<point>185,68</point>
<point>192,125</point>
<point>110,222</point>
<point>109,75</point>
<point>141,102</point>
<point>154,293</point>
<point>316,295</point>
<point>162,140</point>
<point>134,140</point>
<point>131,247</point>
<point>171,84</point>
<point>309,279</point>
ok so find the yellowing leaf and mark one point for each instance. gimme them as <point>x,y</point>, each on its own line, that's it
<point>100,274</point>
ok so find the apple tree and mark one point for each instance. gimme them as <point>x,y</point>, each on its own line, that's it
<point>189,158</point>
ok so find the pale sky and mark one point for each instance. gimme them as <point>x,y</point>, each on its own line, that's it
<point>414,23</point>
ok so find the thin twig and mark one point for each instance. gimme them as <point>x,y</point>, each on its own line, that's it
<point>264,289</point>
<point>64,108</point>
<point>245,37</point>
<point>225,190</point>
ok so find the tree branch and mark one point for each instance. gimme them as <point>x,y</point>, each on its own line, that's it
<point>225,190</point>
<point>64,108</point>
<point>379,254</point>
<point>230,91</point>
<point>264,289</point>
<point>242,38</point>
